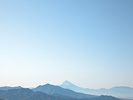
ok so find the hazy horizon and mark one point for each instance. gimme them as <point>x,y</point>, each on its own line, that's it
<point>88,42</point>
<point>60,84</point>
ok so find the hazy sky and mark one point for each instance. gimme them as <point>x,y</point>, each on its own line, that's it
<point>88,42</point>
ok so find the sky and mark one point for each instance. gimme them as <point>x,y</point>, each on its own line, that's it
<point>88,42</point>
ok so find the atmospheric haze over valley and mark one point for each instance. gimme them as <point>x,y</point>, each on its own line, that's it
<point>45,42</point>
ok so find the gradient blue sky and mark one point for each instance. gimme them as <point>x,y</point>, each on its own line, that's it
<point>88,42</point>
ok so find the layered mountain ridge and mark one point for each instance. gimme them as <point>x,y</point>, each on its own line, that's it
<point>118,91</point>
<point>57,90</point>
<point>65,91</point>
<point>28,94</point>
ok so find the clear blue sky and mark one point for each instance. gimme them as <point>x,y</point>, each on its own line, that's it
<point>88,42</point>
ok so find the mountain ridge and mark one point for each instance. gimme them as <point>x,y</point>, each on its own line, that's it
<point>57,90</point>
<point>73,91</point>
<point>118,91</point>
<point>28,94</point>
<point>9,87</point>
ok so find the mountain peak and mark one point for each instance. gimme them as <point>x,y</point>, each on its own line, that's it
<point>66,82</point>
<point>68,85</point>
<point>48,84</point>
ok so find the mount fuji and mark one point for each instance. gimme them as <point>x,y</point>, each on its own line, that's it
<point>68,85</point>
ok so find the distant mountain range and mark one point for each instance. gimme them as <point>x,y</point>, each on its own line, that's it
<point>28,94</point>
<point>121,92</point>
<point>8,87</point>
<point>59,91</point>
<point>66,91</point>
